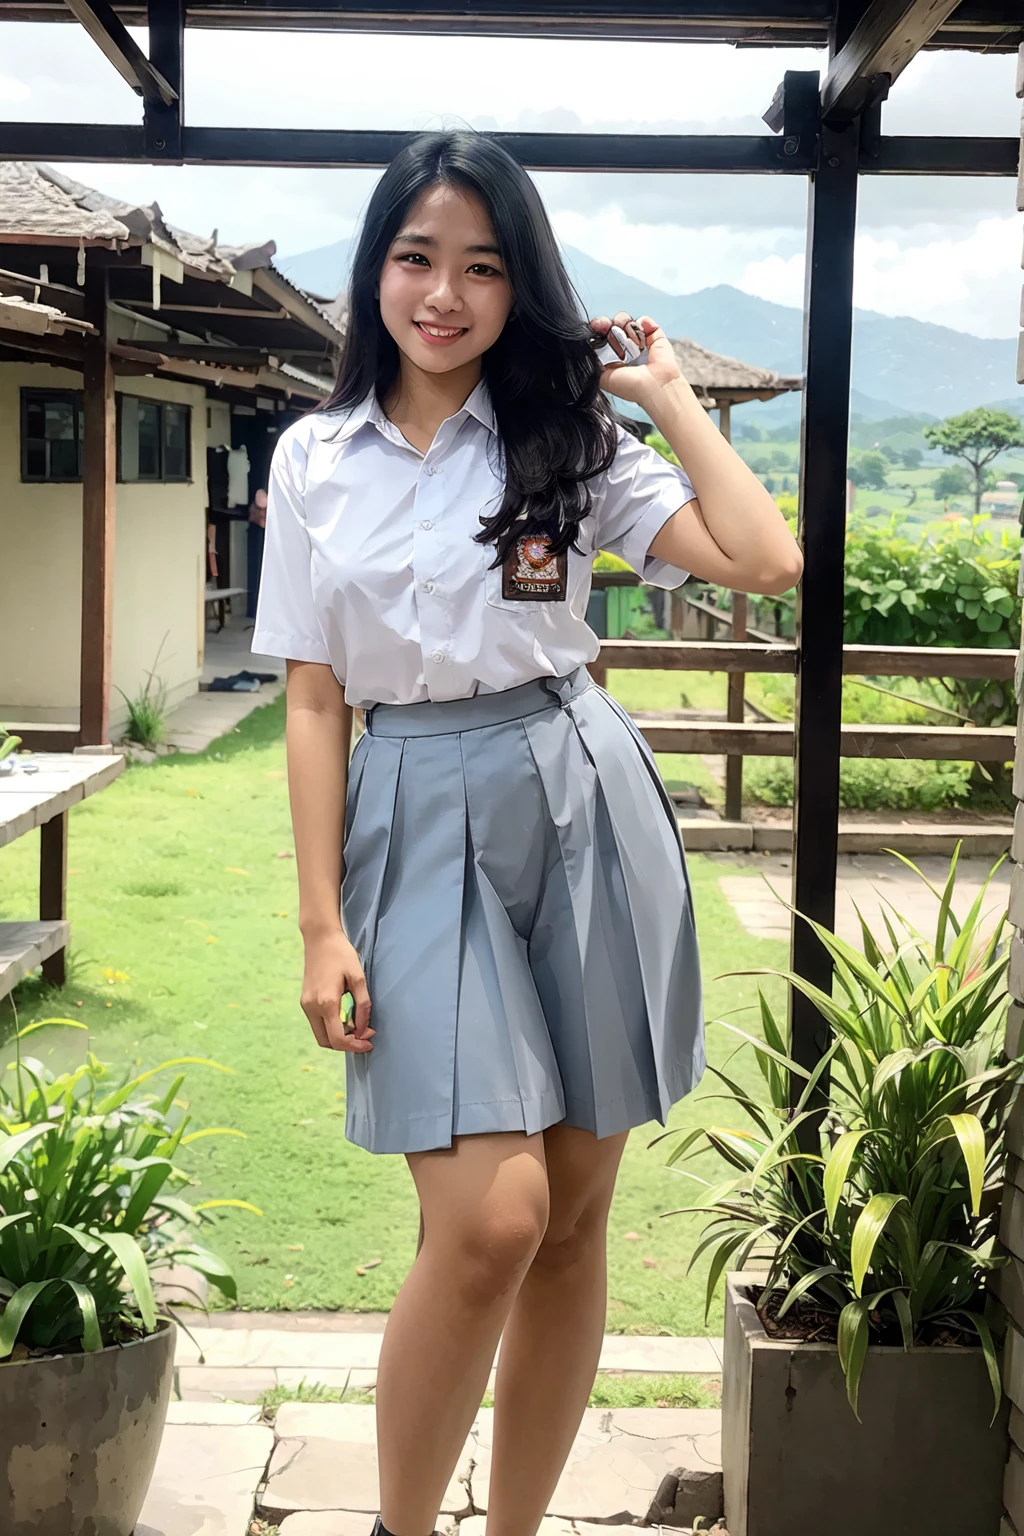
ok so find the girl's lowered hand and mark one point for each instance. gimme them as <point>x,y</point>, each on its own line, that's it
<point>635,382</point>
<point>332,968</point>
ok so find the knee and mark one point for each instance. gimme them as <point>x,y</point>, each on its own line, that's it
<point>572,1238</point>
<point>496,1252</point>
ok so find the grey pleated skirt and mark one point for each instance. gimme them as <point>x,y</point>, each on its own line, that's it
<point>516,889</point>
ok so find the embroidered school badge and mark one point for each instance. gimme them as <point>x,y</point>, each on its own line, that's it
<point>531,572</point>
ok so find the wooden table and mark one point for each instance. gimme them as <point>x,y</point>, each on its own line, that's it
<point>42,800</point>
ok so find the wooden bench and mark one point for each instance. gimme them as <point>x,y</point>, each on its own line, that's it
<point>23,946</point>
<point>43,799</point>
<point>217,597</point>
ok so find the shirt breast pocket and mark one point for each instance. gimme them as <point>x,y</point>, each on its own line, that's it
<point>530,578</point>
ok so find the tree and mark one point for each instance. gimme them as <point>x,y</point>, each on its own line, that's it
<point>912,458</point>
<point>869,470</point>
<point>955,480</point>
<point>978,437</point>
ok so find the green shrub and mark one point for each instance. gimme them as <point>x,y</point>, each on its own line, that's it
<point>867,784</point>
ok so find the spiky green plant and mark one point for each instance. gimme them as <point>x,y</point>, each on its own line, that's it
<point>891,1223</point>
<point>90,1201</point>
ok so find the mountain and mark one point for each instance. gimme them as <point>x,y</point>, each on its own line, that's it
<point>900,366</point>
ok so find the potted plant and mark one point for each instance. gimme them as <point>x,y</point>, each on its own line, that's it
<point>861,1379</point>
<point>89,1204</point>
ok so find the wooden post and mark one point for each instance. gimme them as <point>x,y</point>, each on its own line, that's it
<point>53,886</point>
<point>737,680</point>
<point>98,501</point>
<point>734,711</point>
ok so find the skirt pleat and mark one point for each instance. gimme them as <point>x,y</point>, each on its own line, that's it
<point>517,893</point>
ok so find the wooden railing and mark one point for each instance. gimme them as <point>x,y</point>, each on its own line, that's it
<point>737,739</point>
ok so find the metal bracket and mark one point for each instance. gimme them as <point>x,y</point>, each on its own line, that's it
<point>794,110</point>
<point>162,120</point>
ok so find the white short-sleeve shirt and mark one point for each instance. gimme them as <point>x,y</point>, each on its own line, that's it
<point>370,564</point>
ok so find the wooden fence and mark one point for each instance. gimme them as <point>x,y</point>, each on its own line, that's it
<point>738,738</point>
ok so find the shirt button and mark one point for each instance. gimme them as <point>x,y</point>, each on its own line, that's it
<point>427,524</point>
<point>428,586</point>
<point>437,655</point>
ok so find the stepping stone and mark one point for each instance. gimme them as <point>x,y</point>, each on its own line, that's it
<point>213,1413</point>
<point>205,1480</point>
<point>233,1349</point>
<point>326,1460</point>
<point>212,1384</point>
<point>618,1461</point>
<point>551,1525</point>
<point>334,1522</point>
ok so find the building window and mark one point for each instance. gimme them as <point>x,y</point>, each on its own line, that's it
<point>51,434</point>
<point>153,440</point>
<point>154,437</point>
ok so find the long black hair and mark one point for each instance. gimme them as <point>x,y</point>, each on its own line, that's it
<point>555,427</point>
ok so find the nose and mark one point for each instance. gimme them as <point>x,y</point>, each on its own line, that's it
<point>444,295</point>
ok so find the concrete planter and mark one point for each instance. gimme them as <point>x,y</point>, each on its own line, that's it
<point>923,1461</point>
<point>79,1436</point>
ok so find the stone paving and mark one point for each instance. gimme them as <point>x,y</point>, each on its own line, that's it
<point>867,880</point>
<point>314,1473</point>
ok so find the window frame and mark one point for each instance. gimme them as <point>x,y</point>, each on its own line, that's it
<point>161,478</point>
<point>31,394</point>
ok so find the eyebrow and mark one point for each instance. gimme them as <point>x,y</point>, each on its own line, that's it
<point>476,250</point>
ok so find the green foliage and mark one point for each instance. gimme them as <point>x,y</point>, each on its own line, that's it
<point>147,712</point>
<point>8,743</point>
<point>889,1223</point>
<point>867,784</point>
<point>956,587</point>
<point>88,1174</point>
<point>977,436</point>
<point>955,480</point>
<point>869,470</point>
<point>605,561</point>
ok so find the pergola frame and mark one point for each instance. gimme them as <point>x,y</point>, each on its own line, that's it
<point>827,130</point>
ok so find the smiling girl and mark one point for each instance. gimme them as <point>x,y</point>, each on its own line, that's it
<point>514,903</point>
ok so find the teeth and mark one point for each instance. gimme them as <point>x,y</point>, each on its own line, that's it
<point>434,330</point>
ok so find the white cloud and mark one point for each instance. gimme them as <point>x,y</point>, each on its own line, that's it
<point>970,284</point>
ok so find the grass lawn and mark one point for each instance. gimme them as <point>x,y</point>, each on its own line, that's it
<point>184,943</point>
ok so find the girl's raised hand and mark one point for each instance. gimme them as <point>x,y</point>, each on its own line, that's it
<point>634,382</point>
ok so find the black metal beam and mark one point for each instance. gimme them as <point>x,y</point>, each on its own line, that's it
<point>758,154</point>
<point>995,25</point>
<point>878,50</point>
<point>824,436</point>
<point>111,36</point>
<point>162,120</point>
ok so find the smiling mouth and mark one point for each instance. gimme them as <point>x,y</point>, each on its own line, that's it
<point>442,332</point>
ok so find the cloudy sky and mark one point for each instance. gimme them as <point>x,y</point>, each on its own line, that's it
<point>942,249</point>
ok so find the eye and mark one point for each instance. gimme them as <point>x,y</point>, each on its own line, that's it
<point>482,266</point>
<point>411,256</point>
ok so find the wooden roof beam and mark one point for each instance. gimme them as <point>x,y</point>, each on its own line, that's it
<point>112,37</point>
<point>878,50</point>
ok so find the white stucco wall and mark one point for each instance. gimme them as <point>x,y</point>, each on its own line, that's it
<point>159,568</point>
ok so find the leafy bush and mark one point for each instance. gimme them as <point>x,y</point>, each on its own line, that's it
<point>88,1172</point>
<point>888,1222</point>
<point>868,784</point>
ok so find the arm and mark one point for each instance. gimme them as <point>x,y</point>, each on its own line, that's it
<point>732,533</point>
<point>317,737</point>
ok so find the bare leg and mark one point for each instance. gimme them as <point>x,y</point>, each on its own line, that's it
<point>485,1207</point>
<point>552,1340</point>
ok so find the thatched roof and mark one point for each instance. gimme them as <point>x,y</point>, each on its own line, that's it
<point>714,379</point>
<point>710,374</point>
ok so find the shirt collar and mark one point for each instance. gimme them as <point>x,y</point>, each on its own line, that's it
<point>337,426</point>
